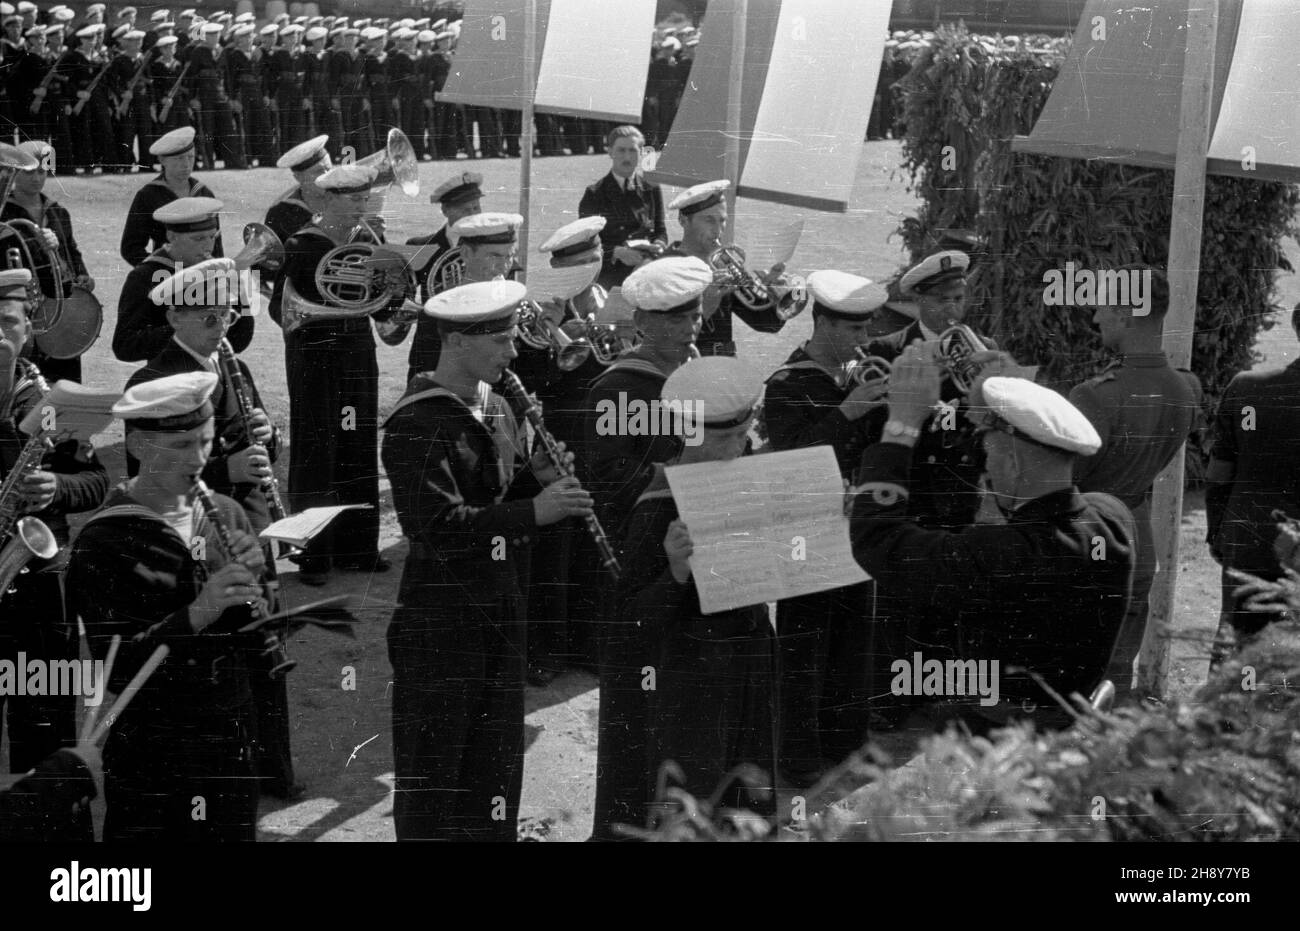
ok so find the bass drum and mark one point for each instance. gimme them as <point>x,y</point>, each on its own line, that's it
<point>76,328</point>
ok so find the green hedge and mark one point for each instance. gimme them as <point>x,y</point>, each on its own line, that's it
<point>1036,213</point>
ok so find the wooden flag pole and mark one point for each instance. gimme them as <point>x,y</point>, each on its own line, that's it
<point>1180,321</point>
<point>735,79</point>
<point>526,131</point>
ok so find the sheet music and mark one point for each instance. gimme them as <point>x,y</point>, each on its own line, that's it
<point>765,527</point>
<point>298,529</point>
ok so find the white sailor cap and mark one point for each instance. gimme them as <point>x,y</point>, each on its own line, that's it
<point>176,142</point>
<point>480,308</point>
<point>668,285</point>
<point>270,29</point>
<point>1039,414</point>
<point>13,157</point>
<point>245,18</point>
<point>402,33</point>
<point>488,228</point>
<point>722,390</point>
<point>223,17</point>
<point>6,9</point>
<point>467,185</point>
<point>292,29</point>
<point>671,43</point>
<point>574,239</point>
<point>454,28</point>
<point>280,19</point>
<point>166,41</point>
<point>314,21</point>
<point>189,214</point>
<point>11,17</point>
<point>301,21</point>
<point>437,24</point>
<point>172,404</point>
<point>211,29</point>
<point>53,28</point>
<point>316,33</point>
<point>33,31</point>
<point>40,150</point>
<point>28,7</point>
<point>370,33</point>
<point>61,13</point>
<point>840,294</point>
<point>96,8</point>
<point>134,35</point>
<point>348,179</point>
<point>14,283</point>
<point>933,271</point>
<point>160,16</point>
<point>426,35</point>
<point>243,29</point>
<point>89,32</point>
<point>211,283</point>
<point>305,154</point>
<point>191,13</point>
<point>362,23</point>
<point>348,31</point>
<point>119,31</point>
<point>406,23</point>
<point>699,197</point>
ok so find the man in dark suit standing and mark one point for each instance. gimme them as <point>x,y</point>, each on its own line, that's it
<point>633,208</point>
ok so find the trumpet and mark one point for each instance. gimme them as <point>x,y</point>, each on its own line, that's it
<point>865,368</point>
<point>540,332</point>
<point>956,346</point>
<point>728,264</point>
<point>605,341</point>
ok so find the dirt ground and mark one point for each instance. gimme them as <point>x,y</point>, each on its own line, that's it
<point>341,739</point>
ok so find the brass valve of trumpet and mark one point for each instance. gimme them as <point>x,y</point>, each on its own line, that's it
<point>865,368</point>
<point>730,274</point>
<point>537,330</point>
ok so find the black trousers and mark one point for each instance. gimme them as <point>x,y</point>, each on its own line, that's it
<point>220,135</point>
<point>186,782</point>
<point>623,784</point>
<point>824,644</point>
<point>710,711</point>
<point>134,136</point>
<point>32,622</point>
<point>458,711</point>
<point>271,729</point>
<point>333,421</point>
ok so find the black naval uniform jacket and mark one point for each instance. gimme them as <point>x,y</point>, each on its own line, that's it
<point>618,466</point>
<point>710,709</point>
<point>634,214</point>
<point>426,344</point>
<point>141,234</point>
<point>456,641</point>
<point>288,215</point>
<point>142,330</point>
<point>801,409</point>
<point>229,427</point>
<point>947,464</point>
<point>715,337</point>
<point>187,732</point>
<point>1045,591</point>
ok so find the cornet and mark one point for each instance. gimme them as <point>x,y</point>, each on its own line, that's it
<point>605,341</point>
<point>956,346</point>
<point>540,332</point>
<point>749,288</point>
<point>865,368</point>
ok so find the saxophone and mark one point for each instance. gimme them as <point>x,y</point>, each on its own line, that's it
<point>272,646</point>
<point>244,399</point>
<point>23,539</point>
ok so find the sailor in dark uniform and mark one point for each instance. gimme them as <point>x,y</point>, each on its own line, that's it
<point>702,212</point>
<point>295,208</point>
<point>217,133</point>
<point>618,466</point>
<point>191,227</point>
<point>1044,593</point>
<point>135,126</point>
<point>454,452</point>
<point>242,72</point>
<point>710,709</point>
<point>142,234</point>
<point>66,480</point>
<point>824,638</point>
<point>169,77</point>
<point>200,303</point>
<point>285,86</point>
<point>178,763</point>
<point>459,196</point>
<point>333,385</point>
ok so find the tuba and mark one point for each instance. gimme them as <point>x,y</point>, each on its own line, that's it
<point>728,264</point>
<point>396,164</point>
<point>540,332</point>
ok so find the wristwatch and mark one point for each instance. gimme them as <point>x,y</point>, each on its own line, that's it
<point>898,428</point>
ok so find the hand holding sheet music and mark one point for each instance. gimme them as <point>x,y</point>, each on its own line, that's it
<point>765,527</point>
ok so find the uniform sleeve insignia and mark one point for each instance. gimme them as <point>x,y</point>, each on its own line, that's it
<point>883,494</point>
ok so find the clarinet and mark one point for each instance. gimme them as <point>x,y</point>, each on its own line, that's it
<point>272,646</point>
<point>533,411</point>
<point>244,398</point>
